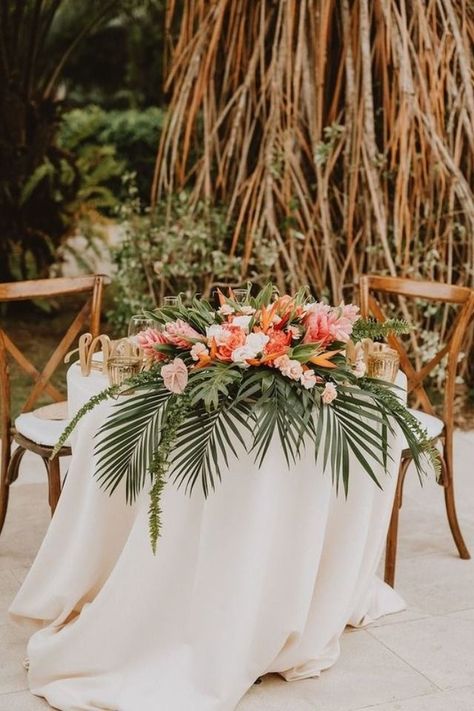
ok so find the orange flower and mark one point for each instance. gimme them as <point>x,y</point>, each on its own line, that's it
<point>279,342</point>
<point>235,338</point>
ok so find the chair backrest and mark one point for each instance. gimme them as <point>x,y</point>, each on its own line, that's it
<point>458,296</point>
<point>88,315</point>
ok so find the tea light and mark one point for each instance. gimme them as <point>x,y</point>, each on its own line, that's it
<point>121,368</point>
<point>382,362</point>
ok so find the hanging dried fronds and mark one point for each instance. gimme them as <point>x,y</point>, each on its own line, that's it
<point>344,130</point>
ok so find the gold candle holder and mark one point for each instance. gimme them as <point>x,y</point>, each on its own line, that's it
<point>382,362</point>
<point>121,368</point>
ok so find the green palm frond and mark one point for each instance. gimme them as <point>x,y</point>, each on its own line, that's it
<point>128,440</point>
<point>281,408</point>
<point>209,385</point>
<point>204,441</point>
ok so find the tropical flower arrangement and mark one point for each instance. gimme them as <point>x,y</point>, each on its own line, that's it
<point>220,379</point>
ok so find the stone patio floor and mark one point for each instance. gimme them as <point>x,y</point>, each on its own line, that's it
<point>418,660</point>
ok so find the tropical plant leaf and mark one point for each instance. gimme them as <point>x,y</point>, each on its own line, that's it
<point>128,439</point>
<point>204,441</point>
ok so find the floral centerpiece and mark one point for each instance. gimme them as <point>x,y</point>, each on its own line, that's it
<point>235,376</point>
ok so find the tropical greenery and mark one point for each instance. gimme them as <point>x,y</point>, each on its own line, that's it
<point>205,401</point>
<point>46,178</point>
<point>108,144</point>
<point>31,65</point>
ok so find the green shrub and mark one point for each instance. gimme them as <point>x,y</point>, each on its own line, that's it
<point>131,137</point>
<point>171,250</point>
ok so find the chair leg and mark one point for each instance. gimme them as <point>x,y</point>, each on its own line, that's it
<point>4,493</point>
<point>392,535</point>
<point>54,482</point>
<point>451,508</point>
<point>10,475</point>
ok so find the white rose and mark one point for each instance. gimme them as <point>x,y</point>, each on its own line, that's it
<point>257,342</point>
<point>242,321</point>
<point>241,354</point>
<point>220,334</point>
<point>248,310</point>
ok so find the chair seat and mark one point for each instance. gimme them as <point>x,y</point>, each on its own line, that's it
<point>433,425</point>
<point>39,428</point>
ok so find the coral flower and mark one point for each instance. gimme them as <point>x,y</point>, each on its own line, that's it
<point>181,334</point>
<point>318,325</point>
<point>147,340</point>
<point>235,338</point>
<point>279,342</point>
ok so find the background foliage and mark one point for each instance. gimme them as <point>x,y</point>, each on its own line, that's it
<point>342,130</point>
<point>56,54</point>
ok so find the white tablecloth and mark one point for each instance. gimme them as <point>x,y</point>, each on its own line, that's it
<point>263,576</point>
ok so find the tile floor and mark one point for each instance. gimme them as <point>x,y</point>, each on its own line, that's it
<point>418,660</point>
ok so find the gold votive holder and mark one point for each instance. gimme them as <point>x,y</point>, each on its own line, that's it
<point>382,362</point>
<point>121,368</point>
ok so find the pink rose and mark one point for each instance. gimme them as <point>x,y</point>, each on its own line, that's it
<point>308,379</point>
<point>147,340</point>
<point>175,376</point>
<point>181,334</point>
<point>289,368</point>
<point>329,393</point>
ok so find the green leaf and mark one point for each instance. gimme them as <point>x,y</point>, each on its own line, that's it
<point>128,439</point>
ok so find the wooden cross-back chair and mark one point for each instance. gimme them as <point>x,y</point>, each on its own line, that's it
<point>439,428</point>
<point>37,431</point>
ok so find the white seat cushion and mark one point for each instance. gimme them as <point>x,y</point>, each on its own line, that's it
<point>40,430</point>
<point>433,425</point>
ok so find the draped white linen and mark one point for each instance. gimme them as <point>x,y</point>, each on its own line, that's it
<point>263,576</point>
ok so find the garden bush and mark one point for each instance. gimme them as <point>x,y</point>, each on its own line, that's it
<point>130,136</point>
<point>171,250</point>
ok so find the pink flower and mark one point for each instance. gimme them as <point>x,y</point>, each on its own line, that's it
<point>147,340</point>
<point>329,393</point>
<point>175,376</point>
<point>308,379</point>
<point>325,324</point>
<point>317,322</point>
<point>181,334</point>
<point>342,321</point>
<point>289,368</point>
<point>351,312</point>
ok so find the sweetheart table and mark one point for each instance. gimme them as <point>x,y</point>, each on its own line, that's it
<point>262,576</point>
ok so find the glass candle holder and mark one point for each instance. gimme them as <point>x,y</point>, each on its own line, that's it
<point>382,362</point>
<point>121,368</point>
<point>240,295</point>
<point>139,323</point>
<point>170,301</point>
